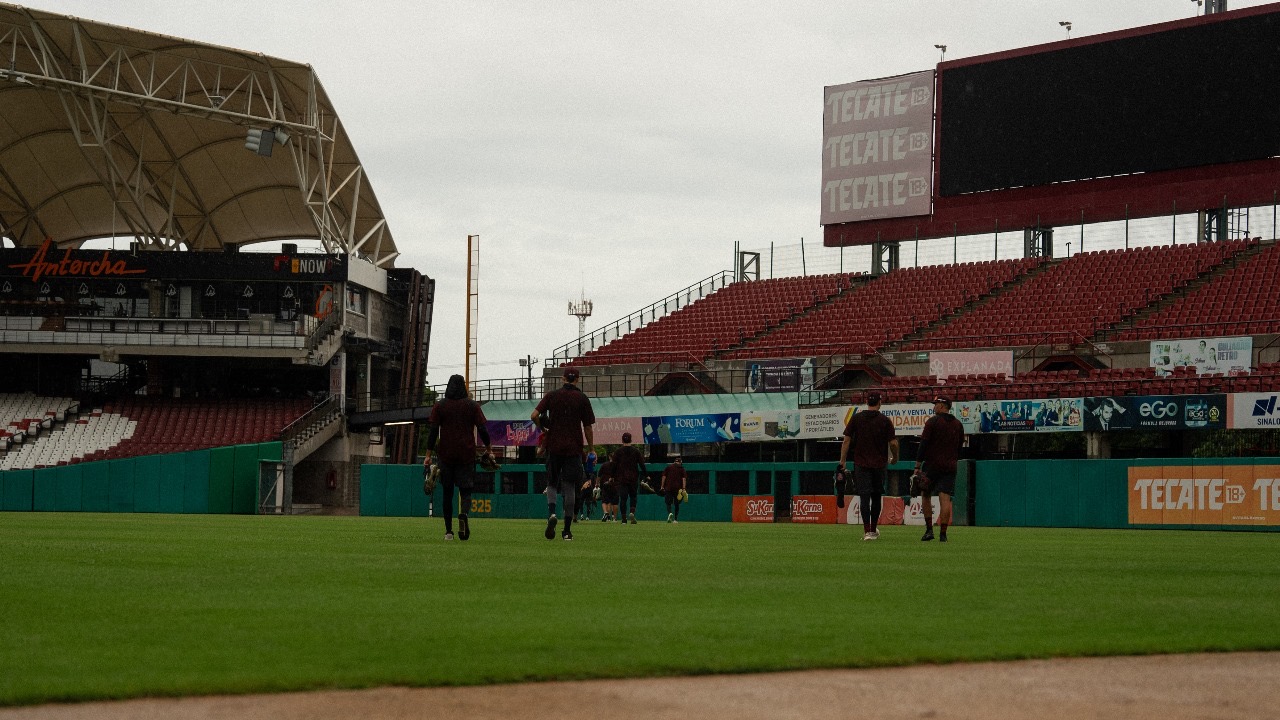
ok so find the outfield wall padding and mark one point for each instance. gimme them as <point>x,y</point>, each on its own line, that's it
<point>1076,493</point>
<point>220,480</point>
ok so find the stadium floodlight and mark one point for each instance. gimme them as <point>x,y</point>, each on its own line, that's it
<point>1066,24</point>
<point>1199,4</point>
<point>943,48</point>
<point>259,141</point>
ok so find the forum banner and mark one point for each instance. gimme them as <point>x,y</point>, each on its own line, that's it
<point>877,144</point>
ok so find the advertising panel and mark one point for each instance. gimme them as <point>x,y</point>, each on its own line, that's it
<point>608,431</point>
<point>1196,412</point>
<point>814,509</point>
<point>891,510</point>
<point>787,375</point>
<point>1253,410</point>
<point>1005,416</point>
<point>877,144</point>
<point>826,423</point>
<point>717,427</point>
<point>984,362</point>
<point>1204,495</point>
<point>513,433</point>
<point>753,508</point>
<point>1207,355</point>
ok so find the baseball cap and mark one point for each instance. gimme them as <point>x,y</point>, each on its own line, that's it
<point>943,400</point>
<point>873,398</point>
<point>626,437</point>
<point>571,374</point>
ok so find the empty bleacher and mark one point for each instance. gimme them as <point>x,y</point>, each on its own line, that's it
<point>724,318</point>
<point>886,309</point>
<point>24,416</point>
<point>1080,296</point>
<point>1245,300</point>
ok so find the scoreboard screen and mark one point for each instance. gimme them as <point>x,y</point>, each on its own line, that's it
<point>1185,97</point>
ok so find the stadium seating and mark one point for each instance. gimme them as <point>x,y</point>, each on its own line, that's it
<point>150,426</point>
<point>718,321</point>
<point>1245,300</point>
<point>885,310</point>
<point>1079,296</point>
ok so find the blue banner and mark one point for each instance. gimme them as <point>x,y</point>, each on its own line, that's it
<point>720,427</point>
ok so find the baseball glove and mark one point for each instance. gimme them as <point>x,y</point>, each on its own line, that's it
<point>488,462</point>
<point>645,484</point>
<point>430,477</point>
<point>839,481</point>
<point>919,483</point>
<point>682,496</point>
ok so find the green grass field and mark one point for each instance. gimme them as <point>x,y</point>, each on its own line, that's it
<point>113,606</point>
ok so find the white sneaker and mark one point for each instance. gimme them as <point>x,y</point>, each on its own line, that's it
<point>671,517</point>
<point>867,536</point>
<point>677,522</point>
<point>875,534</point>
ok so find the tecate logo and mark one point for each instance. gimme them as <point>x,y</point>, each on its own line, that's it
<point>759,508</point>
<point>1159,409</point>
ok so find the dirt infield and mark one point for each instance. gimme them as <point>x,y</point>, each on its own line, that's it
<point>1168,687</point>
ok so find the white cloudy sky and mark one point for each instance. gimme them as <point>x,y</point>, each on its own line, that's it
<point>617,149</point>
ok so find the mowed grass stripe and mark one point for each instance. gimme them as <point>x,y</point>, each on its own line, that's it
<point>110,606</point>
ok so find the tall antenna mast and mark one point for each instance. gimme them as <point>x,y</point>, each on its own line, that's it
<point>473,306</point>
<point>582,309</point>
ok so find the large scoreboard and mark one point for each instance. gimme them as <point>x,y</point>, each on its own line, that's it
<point>1165,119</point>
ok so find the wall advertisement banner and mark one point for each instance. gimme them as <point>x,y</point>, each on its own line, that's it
<point>717,427</point>
<point>608,431</point>
<point>877,143</point>
<point>1008,416</point>
<point>753,508</point>
<point>827,423</point>
<point>1204,495</point>
<point>787,375</point>
<point>1152,412</point>
<point>1253,410</point>
<point>891,511</point>
<point>984,362</point>
<point>1207,355</point>
<point>513,433</point>
<point>814,509</point>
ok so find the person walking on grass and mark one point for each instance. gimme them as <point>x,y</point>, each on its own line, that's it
<point>454,424</point>
<point>628,468</point>
<point>674,479</point>
<point>938,457</point>
<point>875,447</point>
<point>565,416</point>
<point>608,492</point>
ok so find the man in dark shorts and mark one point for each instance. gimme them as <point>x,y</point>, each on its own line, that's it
<point>628,467</point>
<point>674,479</point>
<point>875,447</point>
<point>608,492</point>
<point>454,422</point>
<point>566,417</point>
<point>939,454</point>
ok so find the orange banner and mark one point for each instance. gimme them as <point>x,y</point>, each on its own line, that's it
<point>813,509</point>
<point>753,508</point>
<point>1204,495</point>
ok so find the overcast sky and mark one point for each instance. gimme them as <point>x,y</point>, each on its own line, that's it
<point>616,149</point>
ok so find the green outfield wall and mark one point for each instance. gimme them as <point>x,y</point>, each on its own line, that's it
<point>514,491</point>
<point>220,480</point>
<point>1205,494</point>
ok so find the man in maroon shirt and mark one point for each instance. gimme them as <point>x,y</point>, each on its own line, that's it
<point>674,479</point>
<point>628,466</point>
<point>939,454</point>
<point>455,421</point>
<point>875,447</point>
<point>566,417</point>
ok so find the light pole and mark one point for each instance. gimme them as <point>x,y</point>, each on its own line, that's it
<point>1066,24</point>
<point>943,48</point>
<point>528,361</point>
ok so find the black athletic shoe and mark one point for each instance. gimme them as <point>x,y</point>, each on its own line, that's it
<point>550,534</point>
<point>464,527</point>
<point>942,537</point>
<point>928,535</point>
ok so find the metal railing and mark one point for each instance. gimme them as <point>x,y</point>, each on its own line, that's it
<point>616,329</point>
<point>156,339</point>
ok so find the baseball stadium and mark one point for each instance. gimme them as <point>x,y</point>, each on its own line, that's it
<point>214,409</point>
